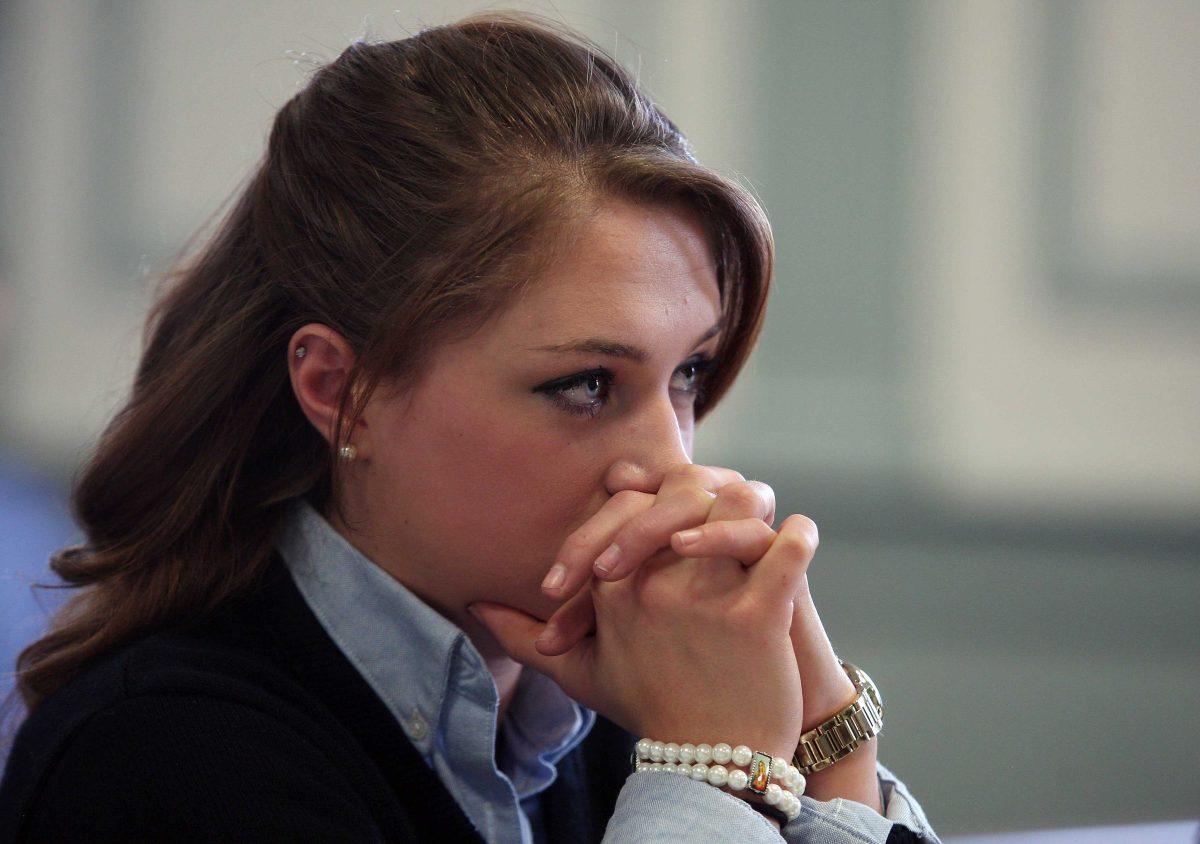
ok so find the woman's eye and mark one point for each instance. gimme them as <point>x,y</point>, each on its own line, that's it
<point>586,394</point>
<point>583,394</point>
<point>696,371</point>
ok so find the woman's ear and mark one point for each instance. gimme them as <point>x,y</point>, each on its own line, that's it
<point>319,361</point>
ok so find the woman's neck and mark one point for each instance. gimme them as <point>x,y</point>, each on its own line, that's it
<point>505,671</point>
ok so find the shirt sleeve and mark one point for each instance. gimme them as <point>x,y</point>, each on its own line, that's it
<point>842,820</point>
<point>658,806</point>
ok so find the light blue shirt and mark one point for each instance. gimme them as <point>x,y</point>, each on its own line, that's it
<point>435,683</point>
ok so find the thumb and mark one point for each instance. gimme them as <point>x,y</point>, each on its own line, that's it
<point>515,631</point>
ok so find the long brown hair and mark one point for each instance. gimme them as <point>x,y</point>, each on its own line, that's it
<point>406,193</point>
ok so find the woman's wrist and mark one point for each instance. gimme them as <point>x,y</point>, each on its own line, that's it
<point>853,772</point>
<point>772,785</point>
<point>827,688</point>
<point>854,777</point>
<point>827,699</point>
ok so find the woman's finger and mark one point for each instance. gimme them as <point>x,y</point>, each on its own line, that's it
<point>516,631</point>
<point>651,530</point>
<point>568,625</point>
<point>573,566</point>
<point>779,573</point>
<point>711,478</point>
<point>742,499</point>
<point>746,540</point>
<point>682,507</point>
<point>679,501</point>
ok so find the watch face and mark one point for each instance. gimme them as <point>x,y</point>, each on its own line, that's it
<point>873,694</point>
<point>868,685</point>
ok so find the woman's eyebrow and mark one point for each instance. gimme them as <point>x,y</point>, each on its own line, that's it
<point>611,348</point>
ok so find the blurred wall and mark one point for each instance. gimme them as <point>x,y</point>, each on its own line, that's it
<point>980,372</point>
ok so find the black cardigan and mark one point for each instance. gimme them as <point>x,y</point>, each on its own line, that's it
<point>254,725</point>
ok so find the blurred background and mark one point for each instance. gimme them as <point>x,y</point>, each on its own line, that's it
<point>980,373</point>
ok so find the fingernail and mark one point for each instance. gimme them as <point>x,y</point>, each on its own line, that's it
<point>546,636</point>
<point>605,562</point>
<point>558,573</point>
<point>687,537</point>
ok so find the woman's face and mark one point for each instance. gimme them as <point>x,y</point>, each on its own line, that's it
<point>468,484</point>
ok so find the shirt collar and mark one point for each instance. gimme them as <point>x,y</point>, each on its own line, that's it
<point>402,646</point>
<point>542,726</point>
<point>413,657</point>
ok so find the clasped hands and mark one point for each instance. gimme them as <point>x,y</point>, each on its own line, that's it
<point>686,616</point>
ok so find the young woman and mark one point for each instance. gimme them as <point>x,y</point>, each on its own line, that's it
<point>346,574</point>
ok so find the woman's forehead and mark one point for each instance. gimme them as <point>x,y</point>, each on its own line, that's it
<point>625,235</point>
<point>623,312</point>
<point>629,259</point>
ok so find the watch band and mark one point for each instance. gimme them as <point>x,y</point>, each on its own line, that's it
<point>845,731</point>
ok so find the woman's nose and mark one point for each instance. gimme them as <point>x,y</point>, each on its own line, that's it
<point>652,443</point>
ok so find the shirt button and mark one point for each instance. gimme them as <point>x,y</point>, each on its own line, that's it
<point>418,727</point>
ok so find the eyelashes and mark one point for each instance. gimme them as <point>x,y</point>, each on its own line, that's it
<point>602,378</point>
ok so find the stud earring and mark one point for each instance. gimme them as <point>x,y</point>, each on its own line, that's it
<point>347,452</point>
<point>301,351</point>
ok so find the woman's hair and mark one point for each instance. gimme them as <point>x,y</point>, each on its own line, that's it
<point>407,192</point>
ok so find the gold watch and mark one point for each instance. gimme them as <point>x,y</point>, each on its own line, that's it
<point>842,734</point>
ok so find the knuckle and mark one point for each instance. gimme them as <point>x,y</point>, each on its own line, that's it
<point>764,491</point>
<point>741,495</point>
<point>726,476</point>
<point>697,499</point>
<point>794,543</point>
<point>634,533</point>
<point>805,525</point>
<point>663,599</point>
<point>743,615</point>
<point>791,544</point>
<point>720,532</point>
<point>748,617</point>
<point>762,529</point>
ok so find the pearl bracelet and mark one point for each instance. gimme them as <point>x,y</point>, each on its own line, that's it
<point>779,782</point>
